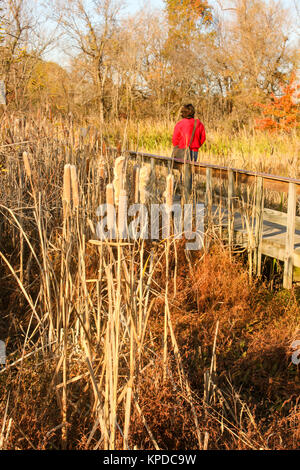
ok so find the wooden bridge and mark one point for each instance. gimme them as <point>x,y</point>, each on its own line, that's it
<point>269,232</point>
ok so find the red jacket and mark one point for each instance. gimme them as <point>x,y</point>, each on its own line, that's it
<point>183,133</point>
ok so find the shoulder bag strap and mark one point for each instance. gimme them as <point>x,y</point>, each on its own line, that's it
<point>194,129</point>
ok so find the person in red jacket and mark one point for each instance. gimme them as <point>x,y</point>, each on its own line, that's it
<point>184,129</point>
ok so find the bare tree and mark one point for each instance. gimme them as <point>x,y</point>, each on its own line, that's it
<point>251,53</point>
<point>22,46</point>
<point>130,65</point>
<point>90,27</point>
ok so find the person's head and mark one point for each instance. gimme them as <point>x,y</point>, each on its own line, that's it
<point>187,111</point>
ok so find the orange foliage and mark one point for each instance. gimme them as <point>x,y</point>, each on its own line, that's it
<point>281,113</point>
<point>186,13</point>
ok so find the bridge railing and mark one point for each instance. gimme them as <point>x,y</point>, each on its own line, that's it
<point>236,177</point>
<point>272,182</point>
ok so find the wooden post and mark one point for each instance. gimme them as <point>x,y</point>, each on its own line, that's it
<point>290,238</point>
<point>208,192</point>
<point>259,210</point>
<point>230,207</point>
<point>153,175</point>
<point>136,183</point>
<point>208,204</point>
<point>169,201</point>
<point>187,181</point>
<point>220,184</point>
<point>152,163</point>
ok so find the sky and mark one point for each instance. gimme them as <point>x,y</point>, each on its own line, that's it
<point>134,5</point>
<point>55,54</point>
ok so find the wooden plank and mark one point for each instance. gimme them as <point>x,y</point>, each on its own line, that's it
<point>279,218</point>
<point>277,251</point>
<point>269,248</point>
<point>296,274</point>
<point>273,241</point>
<point>290,238</point>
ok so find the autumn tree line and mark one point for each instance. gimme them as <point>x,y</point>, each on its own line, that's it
<point>235,60</point>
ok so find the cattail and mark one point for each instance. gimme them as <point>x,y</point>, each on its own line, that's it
<point>74,184</point>
<point>122,214</point>
<point>102,173</point>
<point>27,165</point>
<point>67,184</point>
<point>110,206</point>
<point>118,177</point>
<point>110,194</point>
<point>101,168</point>
<point>91,225</point>
<point>169,190</point>
<point>119,149</point>
<point>143,183</point>
<point>16,125</point>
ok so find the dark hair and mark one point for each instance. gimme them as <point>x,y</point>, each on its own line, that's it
<point>187,111</point>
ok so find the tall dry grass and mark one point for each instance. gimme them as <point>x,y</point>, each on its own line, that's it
<point>124,344</point>
<point>247,148</point>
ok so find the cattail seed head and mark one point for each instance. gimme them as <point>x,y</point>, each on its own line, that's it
<point>67,184</point>
<point>74,184</point>
<point>109,194</point>
<point>27,164</point>
<point>101,168</point>
<point>110,206</point>
<point>169,190</point>
<point>118,177</point>
<point>122,214</point>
